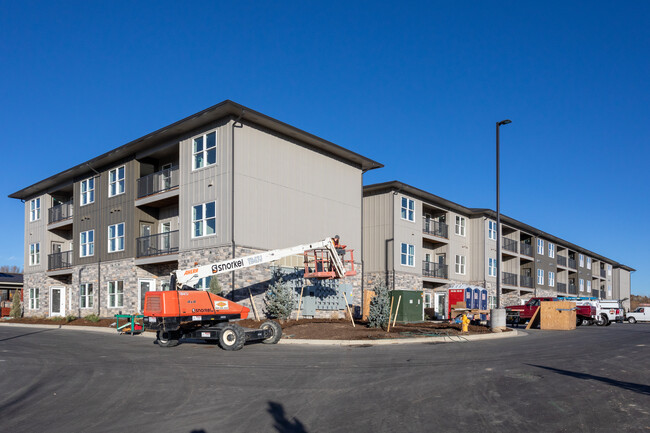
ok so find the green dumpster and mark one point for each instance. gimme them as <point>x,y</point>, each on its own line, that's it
<point>411,305</point>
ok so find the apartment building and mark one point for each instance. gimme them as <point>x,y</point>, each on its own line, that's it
<point>416,240</point>
<point>225,182</point>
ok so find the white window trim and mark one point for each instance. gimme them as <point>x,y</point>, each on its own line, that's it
<point>35,254</point>
<point>203,220</point>
<point>407,208</point>
<point>540,277</point>
<point>87,243</point>
<point>35,209</point>
<point>407,255</point>
<point>89,297</point>
<point>492,229</point>
<point>34,298</point>
<point>204,151</point>
<point>551,279</point>
<point>460,228</point>
<point>581,285</point>
<point>588,286</point>
<point>460,265</point>
<point>589,263</point>
<point>609,270</point>
<point>117,237</point>
<point>540,246</point>
<point>492,267</point>
<point>581,260</point>
<point>117,181</point>
<point>108,293</point>
<point>87,192</point>
<point>551,250</point>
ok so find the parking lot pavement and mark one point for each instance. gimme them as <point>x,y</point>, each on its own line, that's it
<point>591,379</point>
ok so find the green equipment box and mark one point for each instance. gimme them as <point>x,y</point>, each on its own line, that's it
<point>411,305</point>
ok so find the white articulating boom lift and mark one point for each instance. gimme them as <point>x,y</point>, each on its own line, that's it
<point>184,312</point>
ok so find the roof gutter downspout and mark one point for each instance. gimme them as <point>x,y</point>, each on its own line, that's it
<point>232,201</point>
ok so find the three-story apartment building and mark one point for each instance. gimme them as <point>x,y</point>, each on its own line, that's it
<point>416,240</point>
<point>225,182</point>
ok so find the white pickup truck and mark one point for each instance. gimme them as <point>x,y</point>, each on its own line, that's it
<point>641,314</point>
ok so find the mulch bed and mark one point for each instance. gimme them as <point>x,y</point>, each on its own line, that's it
<point>60,321</point>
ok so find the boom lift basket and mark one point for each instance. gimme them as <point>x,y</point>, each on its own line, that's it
<point>318,264</point>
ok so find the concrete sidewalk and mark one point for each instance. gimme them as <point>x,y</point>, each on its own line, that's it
<point>383,342</point>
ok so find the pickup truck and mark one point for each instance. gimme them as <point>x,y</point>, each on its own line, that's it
<point>641,314</point>
<point>522,313</point>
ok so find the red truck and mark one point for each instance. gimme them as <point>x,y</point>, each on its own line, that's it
<point>522,313</point>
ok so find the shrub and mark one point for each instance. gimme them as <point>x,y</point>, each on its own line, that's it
<point>16,310</point>
<point>379,307</point>
<point>70,317</point>
<point>215,286</point>
<point>279,299</point>
<point>92,317</point>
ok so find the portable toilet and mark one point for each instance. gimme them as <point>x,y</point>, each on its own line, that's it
<point>468,297</point>
<point>411,305</point>
<point>484,303</point>
<point>456,297</point>
<point>476,300</point>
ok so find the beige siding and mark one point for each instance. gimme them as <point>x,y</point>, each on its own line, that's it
<point>459,245</point>
<point>377,230</point>
<point>408,232</point>
<point>36,232</point>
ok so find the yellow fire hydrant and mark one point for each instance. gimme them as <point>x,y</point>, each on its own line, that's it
<point>465,323</point>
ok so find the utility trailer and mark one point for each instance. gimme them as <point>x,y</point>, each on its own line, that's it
<point>521,313</point>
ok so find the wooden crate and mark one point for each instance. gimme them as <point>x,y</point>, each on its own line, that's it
<point>368,295</point>
<point>558,315</point>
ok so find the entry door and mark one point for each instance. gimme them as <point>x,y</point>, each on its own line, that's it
<point>165,243</point>
<point>144,243</point>
<point>166,177</point>
<point>57,301</point>
<point>439,305</point>
<point>144,286</point>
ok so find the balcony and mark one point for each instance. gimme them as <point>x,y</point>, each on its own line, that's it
<point>603,273</point>
<point>159,248</point>
<point>508,278</point>
<point>59,263</point>
<point>435,228</point>
<point>572,263</point>
<point>526,249</point>
<point>561,261</point>
<point>573,289</point>
<point>434,270</point>
<point>510,245</point>
<point>158,189</point>
<point>561,287</point>
<point>526,281</point>
<point>60,215</point>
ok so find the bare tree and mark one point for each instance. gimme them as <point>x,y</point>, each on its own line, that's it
<point>11,269</point>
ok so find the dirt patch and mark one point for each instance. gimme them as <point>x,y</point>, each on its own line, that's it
<point>105,323</point>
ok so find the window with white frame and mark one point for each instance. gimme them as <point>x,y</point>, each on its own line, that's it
<point>609,290</point>
<point>34,254</point>
<point>609,270</point>
<point>588,262</point>
<point>581,260</point>
<point>460,264</point>
<point>34,298</point>
<point>87,191</point>
<point>203,283</point>
<point>540,276</point>
<point>116,181</point>
<point>87,243</point>
<point>35,209</point>
<point>86,295</point>
<point>492,302</point>
<point>551,279</point>
<point>492,267</point>
<point>204,150</point>
<point>204,219</point>
<point>408,209</point>
<point>115,294</point>
<point>588,286</point>
<point>461,223</point>
<point>116,238</point>
<point>492,230</point>
<point>551,250</point>
<point>407,256</point>
<point>540,246</point>
<point>581,284</point>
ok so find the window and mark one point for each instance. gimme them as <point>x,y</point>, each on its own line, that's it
<point>115,294</point>
<point>609,290</point>
<point>551,279</point>
<point>116,181</point>
<point>408,255</point>
<point>540,246</point>
<point>203,283</point>
<point>588,286</point>
<point>34,299</point>
<point>87,189</point>
<point>460,264</point>
<point>492,267</point>
<point>87,243</point>
<point>540,276</point>
<point>492,230</point>
<point>35,209</point>
<point>581,283</point>
<point>204,219</point>
<point>204,150</point>
<point>34,254</point>
<point>551,250</point>
<point>609,270</point>
<point>408,209</point>
<point>581,260</point>
<point>492,302</point>
<point>86,295</point>
<point>460,225</point>
<point>116,238</point>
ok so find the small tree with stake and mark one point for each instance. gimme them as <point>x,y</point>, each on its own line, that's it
<point>215,286</point>
<point>279,298</point>
<point>15,311</point>
<point>379,313</point>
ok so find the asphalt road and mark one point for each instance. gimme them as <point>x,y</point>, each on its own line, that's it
<point>590,380</point>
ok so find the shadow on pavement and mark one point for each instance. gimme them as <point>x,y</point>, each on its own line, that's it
<point>636,387</point>
<point>24,335</point>
<point>282,424</point>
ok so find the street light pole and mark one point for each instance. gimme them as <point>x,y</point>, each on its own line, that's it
<point>503,122</point>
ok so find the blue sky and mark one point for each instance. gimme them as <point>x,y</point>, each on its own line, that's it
<point>417,86</point>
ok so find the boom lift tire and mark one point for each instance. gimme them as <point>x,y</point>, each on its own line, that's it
<point>167,339</point>
<point>232,337</point>
<point>275,328</point>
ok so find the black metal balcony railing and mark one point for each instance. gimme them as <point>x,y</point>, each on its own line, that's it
<point>573,289</point>
<point>435,228</point>
<point>156,245</point>
<point>526,281</point>
<point>158,182</point>
<point>509,279</point>
<point>510,245</point>
<point>603,273</point>
<point>434,270</point>
<point>526,249</point>
<point>561,287</point>
<point>60,212</point>
<point>572,263</point>
<point>561,261</point>
<point>60,260</point>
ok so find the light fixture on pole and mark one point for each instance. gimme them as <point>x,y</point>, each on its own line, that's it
<point>503,122</point>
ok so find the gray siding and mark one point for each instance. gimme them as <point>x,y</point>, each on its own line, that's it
<point>36,232</point>
<point>377,230</point>
<point>408,232</point>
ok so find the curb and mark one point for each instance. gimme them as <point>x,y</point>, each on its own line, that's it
<point>385,342</point>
